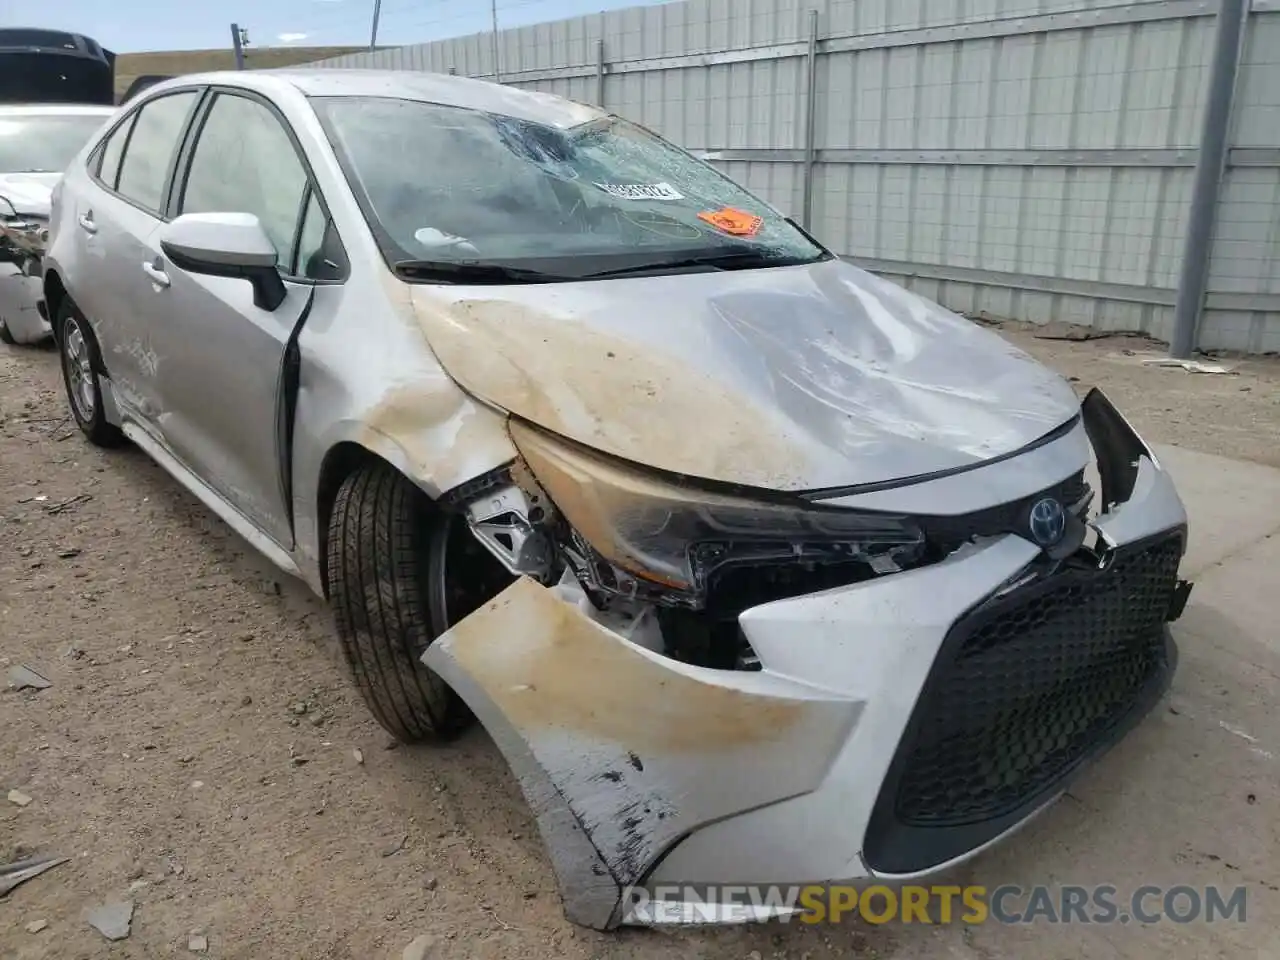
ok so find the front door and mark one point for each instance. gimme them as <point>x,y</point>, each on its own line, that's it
<point>222,380</point>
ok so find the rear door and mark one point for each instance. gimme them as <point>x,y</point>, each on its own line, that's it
<point>118,209</point>
<point>221,382</point>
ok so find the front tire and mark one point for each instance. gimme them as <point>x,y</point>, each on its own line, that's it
<point>80,361</point>
<point>392,594</point>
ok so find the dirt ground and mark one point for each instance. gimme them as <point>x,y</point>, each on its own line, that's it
<point>201,753</point>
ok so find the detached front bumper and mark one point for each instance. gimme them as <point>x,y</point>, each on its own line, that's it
<point>896,727</point>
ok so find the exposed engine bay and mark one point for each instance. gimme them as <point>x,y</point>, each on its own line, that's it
<point>23,238</point>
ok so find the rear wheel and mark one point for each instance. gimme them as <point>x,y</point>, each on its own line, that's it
<point>81,362</point>
<point>400,573</point>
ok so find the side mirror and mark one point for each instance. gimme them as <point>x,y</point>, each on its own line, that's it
<point>226,245</point>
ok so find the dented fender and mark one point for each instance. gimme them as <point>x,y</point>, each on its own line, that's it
<point>622,752</point>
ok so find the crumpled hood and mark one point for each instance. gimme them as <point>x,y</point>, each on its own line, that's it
<point>794,378</point>
<point>28,192</point>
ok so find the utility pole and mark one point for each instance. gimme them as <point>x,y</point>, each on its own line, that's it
<point>238,40</point>
<point>493,8</point>
<point>373,33</point>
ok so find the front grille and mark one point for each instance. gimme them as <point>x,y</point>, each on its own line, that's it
<point>949,532</point>
<point>1026,686</point>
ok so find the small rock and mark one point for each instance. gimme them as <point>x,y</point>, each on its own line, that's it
<point>111,919</point>
<point>358,755</point>
<point>422,948</point>
<point>35,926</point>
<point>298,761</point>
<point>299,708</point>
<point>139,885</point>
<point>531,894</point>
<point>317,720</point>
<point>197,784</point>
<point>1251,798</point>
<point>429,882</point>
<point>1245,389</point>
<point>186,758</point>
<point>390,743</point>
<point>21,677</point>
<point>69,554</point>
<point>293,721</point>
<point>246,638</point>
<point>73,653</point>
<point>246,701</point>
<point>135,872</point>
<point>18,797</point>
<point>754,955</point>
<point>395,848</point>
<point>197,943</point>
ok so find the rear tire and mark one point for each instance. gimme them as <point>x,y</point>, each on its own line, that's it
<point>388,576</point>
<point>81,363</point>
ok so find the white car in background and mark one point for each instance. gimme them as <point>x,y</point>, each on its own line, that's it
<point>37,141</point>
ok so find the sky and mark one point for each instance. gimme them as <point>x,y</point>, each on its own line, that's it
<point>128,26</point>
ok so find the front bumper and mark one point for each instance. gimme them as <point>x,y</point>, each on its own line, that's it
<point>897,726</point>
<point>21,292</point>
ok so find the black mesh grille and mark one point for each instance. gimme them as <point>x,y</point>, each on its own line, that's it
<point>1033,682</point>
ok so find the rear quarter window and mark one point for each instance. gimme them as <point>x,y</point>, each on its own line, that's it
<point>151,146</point>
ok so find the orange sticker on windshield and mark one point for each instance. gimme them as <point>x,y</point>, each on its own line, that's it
<point>739,223</point>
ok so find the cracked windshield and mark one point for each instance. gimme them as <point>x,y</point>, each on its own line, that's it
<point>605,196</point>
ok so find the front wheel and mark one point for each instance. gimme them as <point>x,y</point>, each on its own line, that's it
<point>80,361</point>
<point>400,573</point>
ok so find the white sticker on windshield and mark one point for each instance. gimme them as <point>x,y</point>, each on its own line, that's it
<point>641,191</point>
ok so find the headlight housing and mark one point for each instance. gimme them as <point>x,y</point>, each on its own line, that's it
<point>680,537</point>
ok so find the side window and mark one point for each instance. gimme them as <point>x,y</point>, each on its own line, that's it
<point>244,162</point>
<point>151,148</point>
<point>320,255</point>
<point>112,150</point>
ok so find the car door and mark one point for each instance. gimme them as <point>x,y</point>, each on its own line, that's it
<point>118,205</point>
<point>221,380</point>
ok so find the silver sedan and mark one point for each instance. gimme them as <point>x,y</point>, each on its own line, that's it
<point>755,566</point>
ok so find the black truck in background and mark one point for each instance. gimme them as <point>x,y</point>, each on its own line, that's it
<point>51,66</point>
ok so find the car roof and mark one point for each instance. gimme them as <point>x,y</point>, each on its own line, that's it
<point>55,109</point>
<point>445,89</point>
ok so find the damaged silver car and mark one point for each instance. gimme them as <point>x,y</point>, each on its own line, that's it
<point>36,142</point>
<point>756,567</point>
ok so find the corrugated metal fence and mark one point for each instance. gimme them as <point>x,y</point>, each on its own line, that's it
<point>1030,159</point>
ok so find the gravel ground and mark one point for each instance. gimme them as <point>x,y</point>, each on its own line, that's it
<point>201,753</point>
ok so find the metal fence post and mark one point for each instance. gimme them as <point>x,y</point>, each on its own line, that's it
<point>600,72</point>
<point>810,120</point>
<point>1193,279</point>
<point>493,12</point>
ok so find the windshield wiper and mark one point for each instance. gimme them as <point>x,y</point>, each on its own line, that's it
<point>472,271</point>
<point>723,260</point>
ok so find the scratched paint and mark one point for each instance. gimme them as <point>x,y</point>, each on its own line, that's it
<point>635,748</point>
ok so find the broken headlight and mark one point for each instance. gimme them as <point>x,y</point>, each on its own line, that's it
<point>680,536</point>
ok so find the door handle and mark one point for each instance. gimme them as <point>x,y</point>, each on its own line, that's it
<point>158,276</point>
<point>87,224</point>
